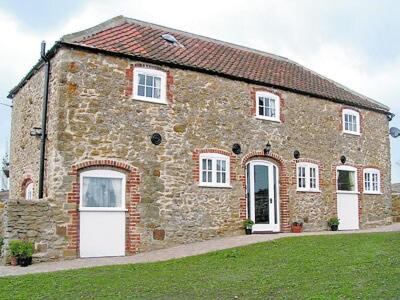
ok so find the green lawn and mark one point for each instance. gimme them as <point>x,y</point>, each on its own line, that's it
<point>318,267</point>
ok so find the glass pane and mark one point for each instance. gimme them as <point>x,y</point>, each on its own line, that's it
<point>141,90</point>
<point>209,176</point>
<point>149,92</point>
<point>261,110</point>
<point>346,180</point>
<point>141,79</point>
<point>157,82</point>
<point>204,163</point>
<point>261,194</point>
<point>101,192</point>
<point>204,176</point>
<point>223,165</point>
<point>149,80</point>
<point>209,164</point>
<point>157,93</point>
<point>218,165</point>
<point>223,177</point>
<point>219,177</point>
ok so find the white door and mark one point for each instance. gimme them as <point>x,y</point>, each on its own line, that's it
<point>347,198</point>
<point>102,213</point>
<point>263,196</point>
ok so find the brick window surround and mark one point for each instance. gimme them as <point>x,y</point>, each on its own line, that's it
<point>130,85</point>
<point>321,168</point>
<point>360,183</point>
<point>381,179</point>
<point>254,104</point>
<point>27,180</point>
<point>283,186</point>
<point>132,238</point>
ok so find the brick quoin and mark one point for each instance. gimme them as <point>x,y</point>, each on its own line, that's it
<point>253,92</point>
<point>129,77</point>
<point>132,238</point>
<point>283,184</point>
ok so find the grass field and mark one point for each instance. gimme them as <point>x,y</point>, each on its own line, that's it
<point>363,266</point>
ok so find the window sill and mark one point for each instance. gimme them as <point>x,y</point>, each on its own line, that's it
<point>215,186</point>
<point>347,192</point>
<point>351,133</point>
<point>268,119</point>
<point>102,209</point>
<point>373,193</point>
<point>309,191</point>
<point>144,99</point>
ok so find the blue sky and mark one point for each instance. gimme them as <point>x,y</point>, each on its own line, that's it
<point>356,43</point>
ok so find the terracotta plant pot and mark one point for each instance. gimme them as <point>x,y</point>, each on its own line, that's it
<point>297,228</point>
<point>14,261</point>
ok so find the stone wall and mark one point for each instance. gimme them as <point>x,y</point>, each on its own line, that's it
<point>38,221</point>
<point>396,207</point>
<point>93,117</point>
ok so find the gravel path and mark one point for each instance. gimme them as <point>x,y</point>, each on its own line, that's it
<point>171,253</point>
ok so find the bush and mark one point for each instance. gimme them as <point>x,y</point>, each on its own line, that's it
<point>21,248</point>
<point>26,249</point>
<point>333,221</point>
<point>248,224</point>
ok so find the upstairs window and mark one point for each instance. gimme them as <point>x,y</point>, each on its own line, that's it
<point>307,177</point>
<point>149,85</point>
<point>29,191</point>
<point>351,122</point>
<point>268,106</point>
<point>372,181</point>
<point>214,170</point>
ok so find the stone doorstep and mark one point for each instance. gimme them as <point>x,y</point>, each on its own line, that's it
<point>178,251</point>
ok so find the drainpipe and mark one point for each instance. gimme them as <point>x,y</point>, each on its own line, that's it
<point>43,134</point>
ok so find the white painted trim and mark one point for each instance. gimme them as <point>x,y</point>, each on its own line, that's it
<point>151,72</point>
<point>307,165</point>
<point>103,173</point>
<point>347,168</point>
<point>250,190</point>
<point>214,157</point>
<point>277,106</point>
<point>29,191</point>
<point>378,173</point>
<point>353,113</point>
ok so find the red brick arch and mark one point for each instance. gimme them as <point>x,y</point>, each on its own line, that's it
<point>27,180</point>
<point>132,240</point>
<point>283,185</point>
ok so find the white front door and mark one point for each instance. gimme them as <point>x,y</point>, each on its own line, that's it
<point>102,213</point>
<point>347,198</point>
<point>263,196</point>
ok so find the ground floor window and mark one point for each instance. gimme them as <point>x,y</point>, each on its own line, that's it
<point>371,181</point>
<point>214,170</point>
<point>346,179</point>
<point>307,177</point>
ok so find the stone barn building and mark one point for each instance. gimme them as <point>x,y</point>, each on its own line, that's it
<point>156,137</point>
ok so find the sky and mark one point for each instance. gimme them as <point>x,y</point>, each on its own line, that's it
<point>356,43</point>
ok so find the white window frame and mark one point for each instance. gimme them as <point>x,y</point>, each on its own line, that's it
<point>307,167</point>
<point>277,106</point>
<point>358,123</point>
<point>150,72</point>
<point>103,173</point>
<point>214,157</point>
<point>351,169</point>
<point>29,191</point>
<point>371,172</point>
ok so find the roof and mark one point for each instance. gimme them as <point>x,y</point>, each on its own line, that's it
<point>396,188</point>
<point>142,40</point>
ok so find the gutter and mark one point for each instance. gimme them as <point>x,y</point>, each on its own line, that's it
<point>172,64</point>
<point>43,135</point>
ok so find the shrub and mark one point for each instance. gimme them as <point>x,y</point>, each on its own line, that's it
<point>248,224</point>
<point>333,221</point>
<point>26,249</point>
<point>15,247</point>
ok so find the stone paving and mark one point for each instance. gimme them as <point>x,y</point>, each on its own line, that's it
<point>173,252</point>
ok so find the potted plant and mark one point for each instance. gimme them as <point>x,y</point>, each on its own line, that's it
<point>333,223</point>
<point>26,252</point>
<point>15,250</point>
<point>248,225</point>
<point>297,227</point>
